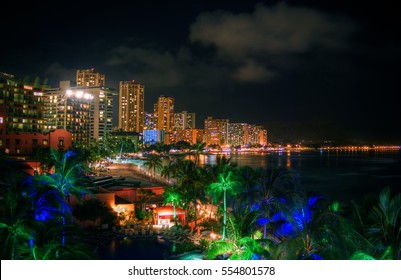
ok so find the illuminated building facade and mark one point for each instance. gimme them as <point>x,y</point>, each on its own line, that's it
<point>22,121</point>
<point>189,135</point>
<point>216,131</point>
<point>150,122</point>
<point>131,106</point>
<point>84,111</point>
<point>88,78</point>
<point>153,136</point>
<point>165,113</point>
<point>184,120</point>
<point>21,105</point>
<point>257,135</point>
<point>238,134</point>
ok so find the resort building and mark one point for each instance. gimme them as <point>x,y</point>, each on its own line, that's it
<point>126,137</point>
<point>21,105</point>
<point>153,136</point>
<point>88,78</point>
<point>257,135</point>
<point>216,131</point>
<point>150,121</point>
<point>165,113</point>
<point>131,116</point>
<point>184,120</point>
<point>238,134</point>
<point>189,135</point>
<point>25,143</point>
<point>22,119</point>
<point>84,111</point>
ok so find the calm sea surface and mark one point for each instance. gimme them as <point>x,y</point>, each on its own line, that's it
<point>335,174</point>
<point>133,249</point>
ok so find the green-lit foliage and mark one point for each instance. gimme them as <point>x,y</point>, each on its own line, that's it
<point>245,249</point>
<point>220,247</point>
<point>384,226</point>
<point>335,206</point>
<point>243,221</point>
<point>361,256</point>
<point>172,195</point>
<point>227,184</point>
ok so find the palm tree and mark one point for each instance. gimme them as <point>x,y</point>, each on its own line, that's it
<point>68,178</point>
<point>384,224</point>
<point>227,184</point>
<point>190,181</point>
<point>276,185</point>
<point>15,225</point>
<point>168,171</point>
<point>144,196</point>
<point>153,162</point>
<point>245,248</point>
<point>198,147</point>
<point>251,192</point>
<point>172,195</point>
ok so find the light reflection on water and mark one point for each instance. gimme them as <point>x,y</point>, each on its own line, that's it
<point>336,174</point>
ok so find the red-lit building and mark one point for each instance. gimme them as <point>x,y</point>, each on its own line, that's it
<point>24,143</point>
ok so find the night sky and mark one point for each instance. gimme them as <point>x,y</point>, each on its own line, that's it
<point>306,70</point>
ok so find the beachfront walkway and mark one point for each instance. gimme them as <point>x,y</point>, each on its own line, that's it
<point>134,172</point>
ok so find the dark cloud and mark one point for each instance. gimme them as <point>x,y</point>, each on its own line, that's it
<point>262,62</point>
<point>273,30</point>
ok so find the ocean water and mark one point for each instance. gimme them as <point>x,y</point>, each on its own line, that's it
<point>134,249</point>
<point>335,174</point>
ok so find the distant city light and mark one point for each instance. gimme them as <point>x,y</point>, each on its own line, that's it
<point>79,94</point>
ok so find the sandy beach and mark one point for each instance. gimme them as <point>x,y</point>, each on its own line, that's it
<point>132,173</point>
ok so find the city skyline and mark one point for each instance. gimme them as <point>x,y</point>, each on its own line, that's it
<point>302,69</point>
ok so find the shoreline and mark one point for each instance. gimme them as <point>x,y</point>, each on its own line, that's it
<point>132,170</point>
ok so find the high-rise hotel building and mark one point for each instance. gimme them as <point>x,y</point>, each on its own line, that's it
<point>184,120</point>
<point>89,78</point>
<point>257,135</point>
<point>165,113</point>
<point>22,119</point>
<point>21,105</point>
<point>216,131</point>
<point>238,134</point>
<point>85,111</point>
<point>131,116</point>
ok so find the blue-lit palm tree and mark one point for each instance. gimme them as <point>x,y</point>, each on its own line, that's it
<point>68,178</point>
